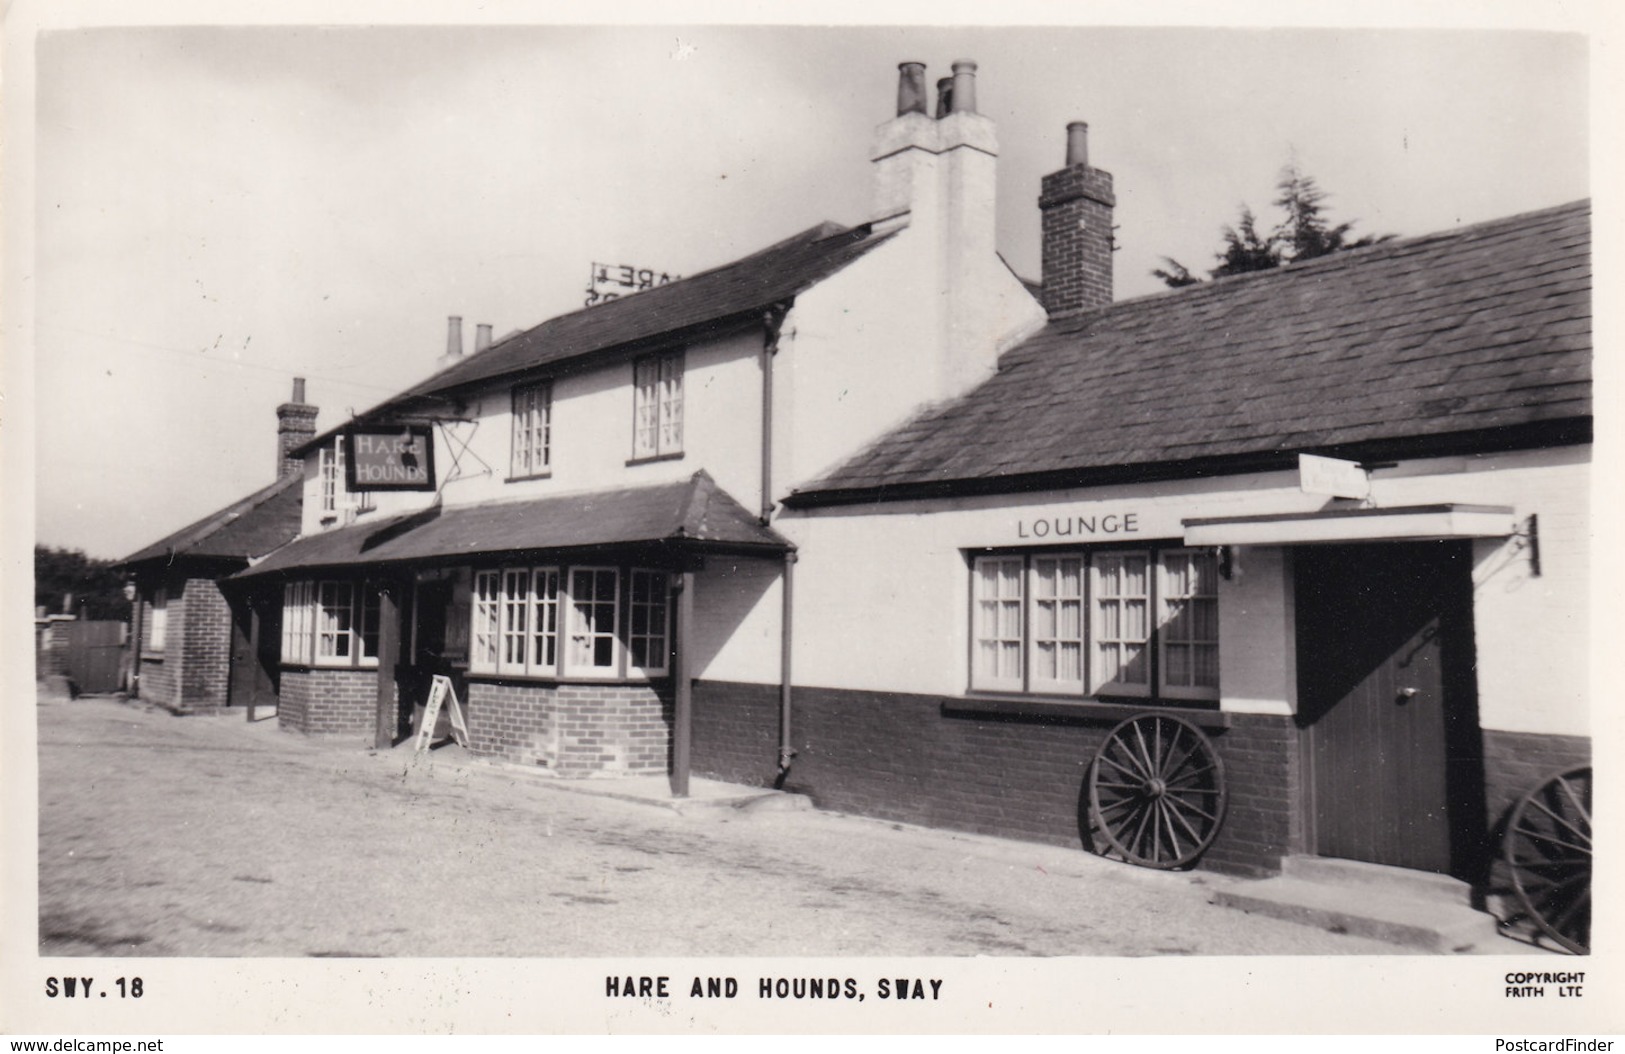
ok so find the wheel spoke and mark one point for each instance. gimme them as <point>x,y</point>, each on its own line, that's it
<point>1149,767</point>
<point>1126,749</point>
<point>1580,806</point>
<point>1133,773</point>
<point>1541,838</point>
<point>1561,820</point>
<point>1176,814</point>
<point>1182,778</point>
<point>1193,807</point>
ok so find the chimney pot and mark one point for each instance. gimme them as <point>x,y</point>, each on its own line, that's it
<point>964,93</point>
<point>1077,143</point>
<point>910,88</point>
<point>945,96</point>
<point>482,337</point>
<point>454,336</point>
<point>298,389</point>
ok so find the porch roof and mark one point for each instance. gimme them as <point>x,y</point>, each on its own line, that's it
<point>694,511</point>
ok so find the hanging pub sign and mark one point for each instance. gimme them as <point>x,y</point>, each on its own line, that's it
<point>399,458</point>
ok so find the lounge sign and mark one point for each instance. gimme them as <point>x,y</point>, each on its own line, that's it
<point>400,458</point>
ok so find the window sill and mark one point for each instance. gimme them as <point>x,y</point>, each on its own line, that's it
<point>561,682</point>
<point>152,656</point>
<point>650,459</point>
<point>534,475</point>
<point>1079,710</point>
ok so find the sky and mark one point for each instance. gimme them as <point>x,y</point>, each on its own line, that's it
<point>219,210</point>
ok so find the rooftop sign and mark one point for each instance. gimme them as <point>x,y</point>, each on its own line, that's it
<point>400,458</point>
<point>612,281</point>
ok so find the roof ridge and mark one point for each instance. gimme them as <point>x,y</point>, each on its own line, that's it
<point>1341,258</point>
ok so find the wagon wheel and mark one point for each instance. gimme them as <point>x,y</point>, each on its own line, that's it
<point>1156,791</point>
<point>1548,847</point>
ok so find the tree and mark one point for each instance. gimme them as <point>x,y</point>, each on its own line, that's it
<point>1303,234</point>
<point>97,589</point>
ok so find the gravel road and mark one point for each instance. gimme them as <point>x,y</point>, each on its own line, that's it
<point>213,837</point>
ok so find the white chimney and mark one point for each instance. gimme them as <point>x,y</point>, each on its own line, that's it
<point>941,172</point>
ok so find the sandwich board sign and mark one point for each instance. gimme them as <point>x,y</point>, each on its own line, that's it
<point>441,694</point>
<point>1332,476</point>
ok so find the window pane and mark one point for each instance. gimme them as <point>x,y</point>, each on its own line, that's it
<point>998,643</point>
<point>1190,619</point>
<point>592,618</point>
<point>1122,620</point>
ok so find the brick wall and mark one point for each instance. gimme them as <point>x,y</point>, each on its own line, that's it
<point>898,757</point>
<point>319,701</point>
<point>1076,219</point>
<point>160,682</point>
<point>203,646</point>
<point>736,732</point>
<point>1514,762</point>
<point>573,729</point>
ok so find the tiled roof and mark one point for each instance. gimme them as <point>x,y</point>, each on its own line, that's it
<point>692,306</point>
<point>1484,329</point>
<point>694,510</point>
<point>243,530</point>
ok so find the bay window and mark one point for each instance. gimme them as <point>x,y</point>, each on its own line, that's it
<point>588,622</point>
<point>1139,623</point>
<point>329,623</point>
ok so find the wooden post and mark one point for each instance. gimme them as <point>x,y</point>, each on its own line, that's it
<point>389,653</point>
<point>682,694</point>
<point>253,603</point>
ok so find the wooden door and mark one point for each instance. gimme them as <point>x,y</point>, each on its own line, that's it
<point>255,662</point>
<point>1388,704</point>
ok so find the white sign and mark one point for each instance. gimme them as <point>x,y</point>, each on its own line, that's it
<point>1332,476</point>
<point>440,692</point>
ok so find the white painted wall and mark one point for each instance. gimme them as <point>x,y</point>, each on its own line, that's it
<point>861,351</point>
<point>882,592</point>
<point>738,606</point>
<point>592,437</point>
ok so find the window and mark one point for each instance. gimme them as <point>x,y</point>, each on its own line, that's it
<point>331,463</point>
<point>159,623</point>
<point>593,595</point>
<point>646,637</point>
<point>516,630</point>
<point>297,619</point>
<point>516,621</point>
<point>532,430</point>
<point>657,412</point>
<point>1107,622</point>
<point>332,623</point>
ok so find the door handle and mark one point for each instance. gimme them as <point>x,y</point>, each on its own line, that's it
<point>1407,694</point>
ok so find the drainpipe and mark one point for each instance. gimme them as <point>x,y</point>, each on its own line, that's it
<point>786,751</point>
<point>772,322</point>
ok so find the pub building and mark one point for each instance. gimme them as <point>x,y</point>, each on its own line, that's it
<point>864,517</point>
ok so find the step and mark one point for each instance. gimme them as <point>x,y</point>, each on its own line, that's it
<point>1402,907</point>
<point>1332,871</point>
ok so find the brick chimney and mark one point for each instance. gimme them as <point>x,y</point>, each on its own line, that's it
<point>295,426</point>
<point>1076,208</point>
